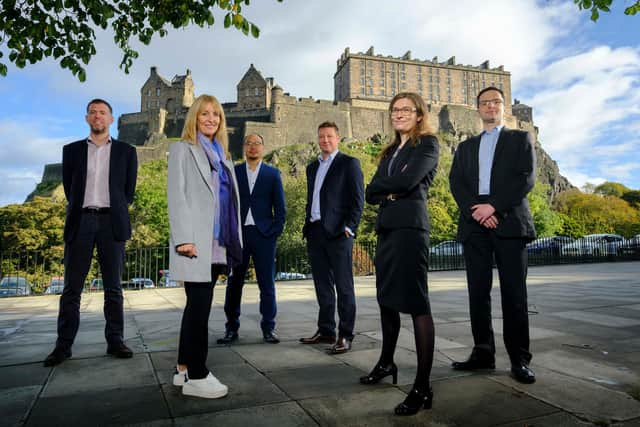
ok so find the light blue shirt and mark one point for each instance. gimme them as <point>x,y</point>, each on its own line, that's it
<point>317,185</point>
<point>488,142</point>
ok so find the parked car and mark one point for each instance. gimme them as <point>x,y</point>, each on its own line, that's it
<point>289,275</point>
<point>593,245</point>
<point>11,286</point>
<point>447,248</point>
<point>142,283</point>
<point>56,286</point>
<point>96,285</point>
<point>630,246</point>
<point>548,246</point>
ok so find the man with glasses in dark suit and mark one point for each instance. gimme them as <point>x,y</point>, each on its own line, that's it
<point>99,179</point>
<point>491,175</point>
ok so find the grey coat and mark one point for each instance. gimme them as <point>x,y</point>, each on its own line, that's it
<point>191,200</point>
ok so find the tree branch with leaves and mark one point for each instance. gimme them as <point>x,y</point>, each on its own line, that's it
<point>597,6</point>
<point>32,30</point>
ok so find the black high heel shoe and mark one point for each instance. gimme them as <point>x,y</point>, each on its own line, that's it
<point>379,372</point>
<point>414,401</point>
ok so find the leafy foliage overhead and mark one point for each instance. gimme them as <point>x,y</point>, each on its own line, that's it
<point>33,30</point>
<point>597,6</point>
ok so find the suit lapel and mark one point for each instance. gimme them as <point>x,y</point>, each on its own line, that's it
<point>203,164</point>
<point>474,171</point>
<point>83,168</point>
<point>402,158</point>
<point>335,164</point>
<point>500,144</point>
<point>261,178</point>
<point>243,180</point>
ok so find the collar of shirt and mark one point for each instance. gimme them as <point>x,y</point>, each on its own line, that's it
<point>249,171</point>
<point>329,159</point>
<point>89,141</point>
<point>493,131</point>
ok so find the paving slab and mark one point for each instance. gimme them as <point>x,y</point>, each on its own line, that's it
<point>288,414</point>
<point>247,388</point>
<point>100,407</point>
<point>289,355</point>
<point>15,403</point>
<point>23,375</point>
<point>99,374</point>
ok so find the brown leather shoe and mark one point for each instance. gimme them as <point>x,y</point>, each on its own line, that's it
<point>318,338</point>
<point>341,346</point>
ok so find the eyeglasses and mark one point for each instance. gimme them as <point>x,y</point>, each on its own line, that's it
<point>405,111</point>
<point>252,143</point>
<point>487,102</point>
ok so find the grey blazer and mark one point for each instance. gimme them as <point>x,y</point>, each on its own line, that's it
<point>191,201</point>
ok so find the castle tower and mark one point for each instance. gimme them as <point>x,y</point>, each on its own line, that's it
<point>254,91</point>
<point>159,93</point>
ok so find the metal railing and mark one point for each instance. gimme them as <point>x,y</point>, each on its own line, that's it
<point>142,265</point>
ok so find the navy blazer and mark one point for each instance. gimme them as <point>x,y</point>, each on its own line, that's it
<point>123,171</point>
<point>341,195</point>
<point>512,177</point>
<point>411,174</point>
<point>266,200</point>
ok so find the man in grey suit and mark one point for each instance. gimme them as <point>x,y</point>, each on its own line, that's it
<point>491,175</point>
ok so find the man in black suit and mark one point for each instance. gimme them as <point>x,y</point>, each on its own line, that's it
<point>99,179</point>
<point>491,175</point>
<point>262,211</point>
<point>335,198</point>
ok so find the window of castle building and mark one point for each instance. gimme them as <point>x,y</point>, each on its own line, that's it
<point>148,104</point>
<point>149,92</point>
<point>382,82</point>
<point>362,90</point>
<point>247,92</point>
<point>402,67</point>
<point>158,103</point>
<point>403,86</point>
<point>361,81</point>
<point>382,92</point>
<point>403,76</point>
<point>370,91</point>
<point>157,91</point>
<point>256,92</point>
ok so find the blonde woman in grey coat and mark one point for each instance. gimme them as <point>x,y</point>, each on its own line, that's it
<point>205,239</point>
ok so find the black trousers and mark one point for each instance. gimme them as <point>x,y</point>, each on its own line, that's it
<point>263,251</point>
<point>194,331</point>
<point>94,231</point>
<point>331,265</point>
<point>511,260</point>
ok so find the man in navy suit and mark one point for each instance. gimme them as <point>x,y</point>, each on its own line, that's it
<point>335,198</point>
<point>262,211</point>
<point>99,179</point>
<point>491,175</point>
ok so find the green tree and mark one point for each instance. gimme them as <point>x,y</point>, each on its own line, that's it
<point>65,29</point>
<point>632,197</point>
<point>547,222</point>
<point>609,188</point>
<point>149,214</point>
<point>598,6</point>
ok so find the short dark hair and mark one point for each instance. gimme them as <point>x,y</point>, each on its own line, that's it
<point>487,89</point>
<point>99,101</point>
<point>328,124</point>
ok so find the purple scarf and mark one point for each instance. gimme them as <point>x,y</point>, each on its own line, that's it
<point>225,231</point>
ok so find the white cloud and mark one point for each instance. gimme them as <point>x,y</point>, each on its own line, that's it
<point>24,151</point>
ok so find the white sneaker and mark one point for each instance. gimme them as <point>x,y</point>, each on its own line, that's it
<point>209,388</point>
<point>179,377</point>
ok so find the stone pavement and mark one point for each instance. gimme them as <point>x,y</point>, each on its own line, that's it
<point>585,330</point>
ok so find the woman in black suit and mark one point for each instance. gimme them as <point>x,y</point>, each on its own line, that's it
<point>407,167</point>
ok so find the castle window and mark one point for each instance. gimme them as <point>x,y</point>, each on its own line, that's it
<point>149,92</point>
<point>148,104</point>
<point>382,92</point>
<point>362,90</point>
<point>382,82</point>
<point>361,81</point>
<point>370,91</point>
<point>247,92</point>
<point>256,92</point>
<point>157,91</point>
<point>403,76</point>
<point>158,103</point>
<point>403,86</point>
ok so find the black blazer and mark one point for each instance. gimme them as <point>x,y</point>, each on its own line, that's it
<point>512,178</point>
<point>341,195</point>
<point>123,170</point>
<point>266,201</point>
<point>412,173</point>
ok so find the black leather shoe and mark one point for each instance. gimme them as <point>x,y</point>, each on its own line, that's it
<point>57,356</point>
<point>523,374</point>
<point>318,338</point>
<point>228,338</point>
<point>342,345</point>
<point>120,351</point>
<point>270,337</point>
<point>473,363</point>
<point>415,400</point>
<point>379,372</point>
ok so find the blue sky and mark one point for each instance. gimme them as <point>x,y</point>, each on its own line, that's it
<point>581,78</point>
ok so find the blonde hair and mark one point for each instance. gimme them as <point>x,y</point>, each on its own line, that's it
<point>421,128</point>
<point>190,129</point>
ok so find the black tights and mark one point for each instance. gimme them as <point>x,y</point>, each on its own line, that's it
<point>424,334</point>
